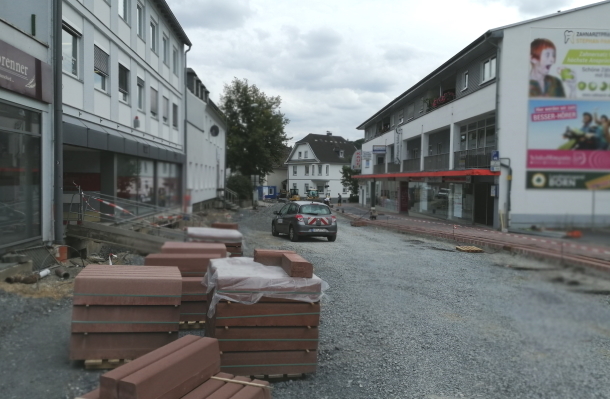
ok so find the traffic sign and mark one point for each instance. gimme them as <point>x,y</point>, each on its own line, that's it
<point>495,155</point>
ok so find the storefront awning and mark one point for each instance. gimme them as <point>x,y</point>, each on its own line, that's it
<point>444,173</point>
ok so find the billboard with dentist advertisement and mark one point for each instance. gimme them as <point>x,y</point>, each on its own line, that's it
<point>569,103</point>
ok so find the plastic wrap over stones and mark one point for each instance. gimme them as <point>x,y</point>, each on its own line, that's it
<point>210,234</point>
<point>244,281</point>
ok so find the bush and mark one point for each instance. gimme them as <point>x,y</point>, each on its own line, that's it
<point>354,199</point>
<point>241,185</point>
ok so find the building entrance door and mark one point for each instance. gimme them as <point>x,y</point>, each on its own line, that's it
<point>483,204</point>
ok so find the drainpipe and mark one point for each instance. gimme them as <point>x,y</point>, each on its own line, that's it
<point>510,183</point>
<point>186,198</point>
<point>58,170</point>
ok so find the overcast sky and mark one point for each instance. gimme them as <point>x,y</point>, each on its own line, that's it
<point>335,63</point>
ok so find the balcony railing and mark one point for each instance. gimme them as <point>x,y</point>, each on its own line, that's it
<point>378,169</point>
<point>478,158</point>
<point>411,165</point>
<point>436,162</point>
<point>393,167</point>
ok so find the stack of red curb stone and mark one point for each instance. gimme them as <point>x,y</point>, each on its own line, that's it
<point>123,312</point>
<point>275,335</point>
<point>188,368</point>
<point>229,236</point>
<point>194,300</point>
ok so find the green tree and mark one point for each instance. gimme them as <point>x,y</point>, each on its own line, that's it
<point>358,143</point>
<point>241,185</point>
<point>347,179</point>
<point>255,133</point>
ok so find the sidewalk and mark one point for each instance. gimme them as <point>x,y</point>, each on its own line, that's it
<point>553,247</point>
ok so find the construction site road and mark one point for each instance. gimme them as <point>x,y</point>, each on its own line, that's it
<point>405,317</point>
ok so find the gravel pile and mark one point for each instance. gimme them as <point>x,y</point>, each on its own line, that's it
<point>405,317</point>
<point>409,317</point>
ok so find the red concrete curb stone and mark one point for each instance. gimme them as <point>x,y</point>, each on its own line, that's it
<point>296,266</point>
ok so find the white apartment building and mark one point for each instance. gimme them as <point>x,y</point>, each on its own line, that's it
<point>511,131</point>
<point>206,132</point>
<point>315,163</point>
<point>123,101</point>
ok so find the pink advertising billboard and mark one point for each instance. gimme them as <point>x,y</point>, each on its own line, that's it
<point>569,100</point>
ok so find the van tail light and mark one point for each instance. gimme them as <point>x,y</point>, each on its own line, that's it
<point>299,218</point>
<point>334,219</point>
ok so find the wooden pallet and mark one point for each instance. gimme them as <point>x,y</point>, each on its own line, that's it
<point>104,364</point>
<point>192,325</point>
<point>467,248</point>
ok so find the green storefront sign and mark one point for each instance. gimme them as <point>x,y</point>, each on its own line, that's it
<point>568,180</point>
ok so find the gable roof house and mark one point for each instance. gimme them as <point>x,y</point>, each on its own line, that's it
<point>316,161</point>
<point>482,139</point>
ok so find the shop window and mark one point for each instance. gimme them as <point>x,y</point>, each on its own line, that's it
<point>69,49</point>
<point>100,68</point>
<point>123,83</point>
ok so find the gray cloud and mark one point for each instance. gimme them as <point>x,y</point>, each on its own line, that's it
<point>211,14</point>
<point>535,8</point>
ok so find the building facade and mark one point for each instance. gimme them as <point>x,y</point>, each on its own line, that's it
<point>26,124</point>
<point>123,103</point>
<point>499,135</point>
<point>315,163</point>
<point>206,131</point>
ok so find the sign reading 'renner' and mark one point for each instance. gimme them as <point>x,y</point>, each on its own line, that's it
<point>24,74</point>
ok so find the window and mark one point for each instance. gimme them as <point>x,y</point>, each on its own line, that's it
<point>165,110</point>
<point>175,115</point>
<point>319,170</point>
<point>299,154</point>
<point>153,36</point>
<point>392,124</point>
<point>123,83</point>
<point>69,50</point>
<point>175,61</point>
<point>410,111</point>
<point>465,81</point>
<point>140,20</point>
<point>294,185</point>
<point>306,188</point>
<point>140,94</point>
<point>100,68</point>
<point>327,167</point>
<point>439,148</point>
<point>341,154</point>
<point>165,50</point>
<point>306,170</point>
<point>154,102</point>
<point>306,154</point>
<point>400,116</point>
<point>124,9</point>
<point>489,69</point>
<point>294,170</point>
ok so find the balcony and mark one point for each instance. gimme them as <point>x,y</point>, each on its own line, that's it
<point>379,169</point>
<point>436,162</point>
<point>411,165</point>
<point>478,158</point>
<point>393,167</point>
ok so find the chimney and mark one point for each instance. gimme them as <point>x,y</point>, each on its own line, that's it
<point>328,133</point>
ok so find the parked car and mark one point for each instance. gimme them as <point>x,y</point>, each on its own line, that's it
<point>305,219</point>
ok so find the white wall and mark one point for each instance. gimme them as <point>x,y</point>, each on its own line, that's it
<point>531,206</point>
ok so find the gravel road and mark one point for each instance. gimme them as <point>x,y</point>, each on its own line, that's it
<point>405,317</point>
